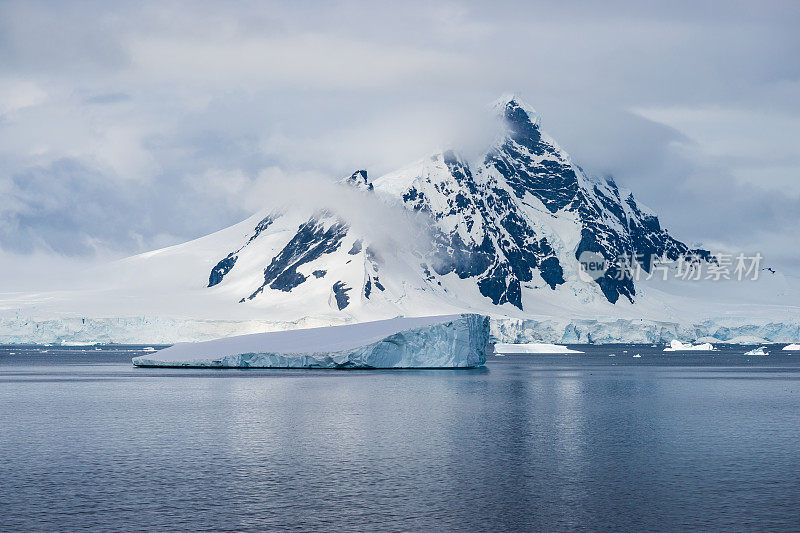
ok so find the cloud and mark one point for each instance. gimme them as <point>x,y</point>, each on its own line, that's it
<point>67,208</point>
<point>760,146</point>
<point>19,94</point>
<point>169,115</point>
<point>108,98</point>
<point>400,228</point>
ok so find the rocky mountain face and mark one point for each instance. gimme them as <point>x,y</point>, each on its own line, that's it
<point>517,219</point>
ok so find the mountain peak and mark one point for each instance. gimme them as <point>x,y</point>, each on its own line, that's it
<point>359,180</point>
<point>512,108</point>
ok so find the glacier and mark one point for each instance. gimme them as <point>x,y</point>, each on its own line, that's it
<point>641,331</point>
<point>455,341</point>
<point>23,329</point>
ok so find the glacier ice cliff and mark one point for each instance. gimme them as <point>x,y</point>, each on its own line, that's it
<point>609,331</point>
<point>21,329</point>
<point>453,341</point>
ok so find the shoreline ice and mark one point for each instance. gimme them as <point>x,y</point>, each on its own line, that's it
<point>157,329</point>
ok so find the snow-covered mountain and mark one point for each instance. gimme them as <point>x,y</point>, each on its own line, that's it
<point>498,234</point>
<point>513,223</point>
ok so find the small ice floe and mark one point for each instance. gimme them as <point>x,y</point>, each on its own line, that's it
<point>76,344</point>
<point>148,349</point>
<point>637,355</point>
<point>532,348</point>
<point>678,346</point>
<point>612,355</point>
<point>761,350</point>
<point>791,347</point>
<point>12,353</point>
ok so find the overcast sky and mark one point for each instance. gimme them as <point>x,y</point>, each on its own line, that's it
<point>130,126</point>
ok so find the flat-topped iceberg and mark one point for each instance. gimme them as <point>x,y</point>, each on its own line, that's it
<point>452,341</point>
<point>678,346</point>
<point>792,347</point>
<point>532,348</point>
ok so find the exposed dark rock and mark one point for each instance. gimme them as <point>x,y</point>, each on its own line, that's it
<point>226,265</point>
<point>221,268</point>
<point>311,242</point>
<point>340,291</point>
<point>356,248</point>
<point>359,180</point>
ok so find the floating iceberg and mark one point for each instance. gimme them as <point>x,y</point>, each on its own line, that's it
<point>757,351</point>
<point>678,346</point>
<point>531,348</point>
<point>792,347</point>
<point>453,341</point>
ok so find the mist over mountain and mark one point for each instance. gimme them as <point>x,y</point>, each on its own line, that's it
<point>118,121</point>
<point>503,231</point>
<point>514,220</point>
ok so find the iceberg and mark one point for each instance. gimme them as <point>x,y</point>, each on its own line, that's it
<point>757,351</point>
<point>451,341</point>
<point>532,348</point>
<point>792,347</point>
<point>677,346</point>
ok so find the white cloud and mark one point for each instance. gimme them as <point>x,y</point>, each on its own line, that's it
<point>760,147</point>
<point>19,94</point>
<point>308,61</point>
<point>181,107</point>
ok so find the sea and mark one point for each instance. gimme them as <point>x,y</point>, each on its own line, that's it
<point>668,441</point>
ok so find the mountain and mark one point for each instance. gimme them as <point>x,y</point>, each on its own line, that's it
<point>506,233</point>
<point>513,222</point>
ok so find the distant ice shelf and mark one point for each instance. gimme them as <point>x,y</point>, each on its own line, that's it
<point>16,328</point>
<point>532,348</point>
<point>452,341</point>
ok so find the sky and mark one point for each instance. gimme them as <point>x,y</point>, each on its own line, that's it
<point>128,126</point>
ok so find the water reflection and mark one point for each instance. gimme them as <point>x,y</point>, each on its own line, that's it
<point>526,443</point>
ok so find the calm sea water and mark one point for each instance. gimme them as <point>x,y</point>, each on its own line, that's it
<point>661,442</point>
